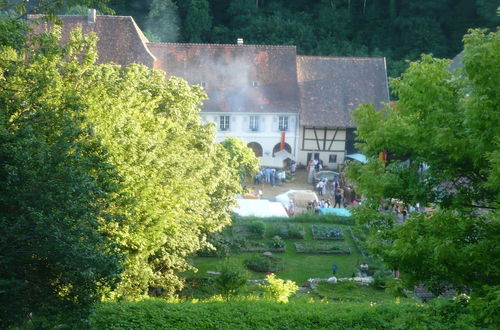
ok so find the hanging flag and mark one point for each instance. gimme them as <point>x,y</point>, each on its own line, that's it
<point>282,142</point>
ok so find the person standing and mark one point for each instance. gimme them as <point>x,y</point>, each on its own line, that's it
<point>320,187</point>
<point>338,198</point>
<point>267,173</point>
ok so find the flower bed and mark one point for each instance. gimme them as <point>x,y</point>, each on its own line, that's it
<point>323,232</point>
<point>322,247</point>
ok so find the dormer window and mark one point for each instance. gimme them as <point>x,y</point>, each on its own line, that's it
<point>255,84</point>
<point>203,84</point>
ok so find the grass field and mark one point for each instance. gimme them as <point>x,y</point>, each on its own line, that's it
<point>298,267</point>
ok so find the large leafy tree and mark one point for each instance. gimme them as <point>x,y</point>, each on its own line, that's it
<point>107,174</point>
<point>241,157</point>
<point>55,184</point>
<point>442,138</point>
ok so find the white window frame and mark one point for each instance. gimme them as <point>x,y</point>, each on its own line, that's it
<point>224,123</point>
<point>254,123</point>
<point>283,123</point>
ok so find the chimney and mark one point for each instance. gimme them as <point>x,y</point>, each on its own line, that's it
<point>91,16</point>
<point>239,41</point>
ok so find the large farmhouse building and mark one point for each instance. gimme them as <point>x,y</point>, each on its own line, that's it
<point>267,96</point>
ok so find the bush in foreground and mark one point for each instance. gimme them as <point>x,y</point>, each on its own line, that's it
<point>259,314</point>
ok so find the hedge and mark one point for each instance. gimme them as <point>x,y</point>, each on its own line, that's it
<point>261,314</point>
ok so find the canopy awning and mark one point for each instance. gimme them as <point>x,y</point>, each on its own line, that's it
<point>359,157</point>
<point>336,211</point>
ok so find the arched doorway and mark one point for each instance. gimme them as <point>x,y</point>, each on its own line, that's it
<point>257,148</point>
<point>277,148</point>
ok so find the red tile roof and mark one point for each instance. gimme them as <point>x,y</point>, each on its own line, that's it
<point>120,39</point>
<point>331,87</point>
<point>251,78</point>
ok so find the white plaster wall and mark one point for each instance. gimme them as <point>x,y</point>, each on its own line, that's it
<point>268,134</point>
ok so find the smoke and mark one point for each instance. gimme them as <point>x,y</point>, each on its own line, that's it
<point>162,22</point>
<point>233,77</point>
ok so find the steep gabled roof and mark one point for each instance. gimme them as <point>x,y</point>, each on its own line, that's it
<point>120,39</point>
<point>250,78</point>
<point>331,87</point>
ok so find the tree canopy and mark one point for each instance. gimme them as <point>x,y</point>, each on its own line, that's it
<point>108,179</point>
<point>241,157</point>
<point>442,139</point>
<point>398,30</point>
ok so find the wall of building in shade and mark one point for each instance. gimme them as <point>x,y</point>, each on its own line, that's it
<point>261,94</point>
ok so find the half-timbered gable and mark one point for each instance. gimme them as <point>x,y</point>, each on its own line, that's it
<point>330,88</point>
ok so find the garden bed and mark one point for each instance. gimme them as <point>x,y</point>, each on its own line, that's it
<point>254,229</point>
<point>263,264</point>
<point>322,247</point>
<point>286,230</point>
<point>325,232</point>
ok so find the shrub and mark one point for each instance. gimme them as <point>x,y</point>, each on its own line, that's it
<point>231,279</point>
<point>263,264</point>
<point>295,231</point>
<point>277,289</point>
<point>395,287</point>
<point>257,227</point>
<point>260,314</point>
<point>379,280</point>
<point>277,242</point>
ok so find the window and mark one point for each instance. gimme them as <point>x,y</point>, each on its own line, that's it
<point>224,123</point>
<point>254,123</point>
<point>203,84</point>
<point>255,84</point>
<point>332,158</point>
<point>283,123</point>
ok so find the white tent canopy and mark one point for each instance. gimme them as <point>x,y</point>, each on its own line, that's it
<point>259,208</point>
<point>300,198</point>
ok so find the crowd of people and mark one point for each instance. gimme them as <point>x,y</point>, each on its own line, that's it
<point>270,176</point>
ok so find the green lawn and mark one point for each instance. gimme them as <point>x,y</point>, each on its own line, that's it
<point>298,267</point>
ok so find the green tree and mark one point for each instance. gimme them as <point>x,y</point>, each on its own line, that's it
<point>177,185</point>
<point>98,162</point>
<point>197,22</point>
<point>50,8</point>
<point>443,140</point>
<point>55,183</point>
<point>241,157</point>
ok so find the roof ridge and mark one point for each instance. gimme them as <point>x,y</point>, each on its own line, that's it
<point>217,44</point>
<point>84,16</point>
<point>343,57</point>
